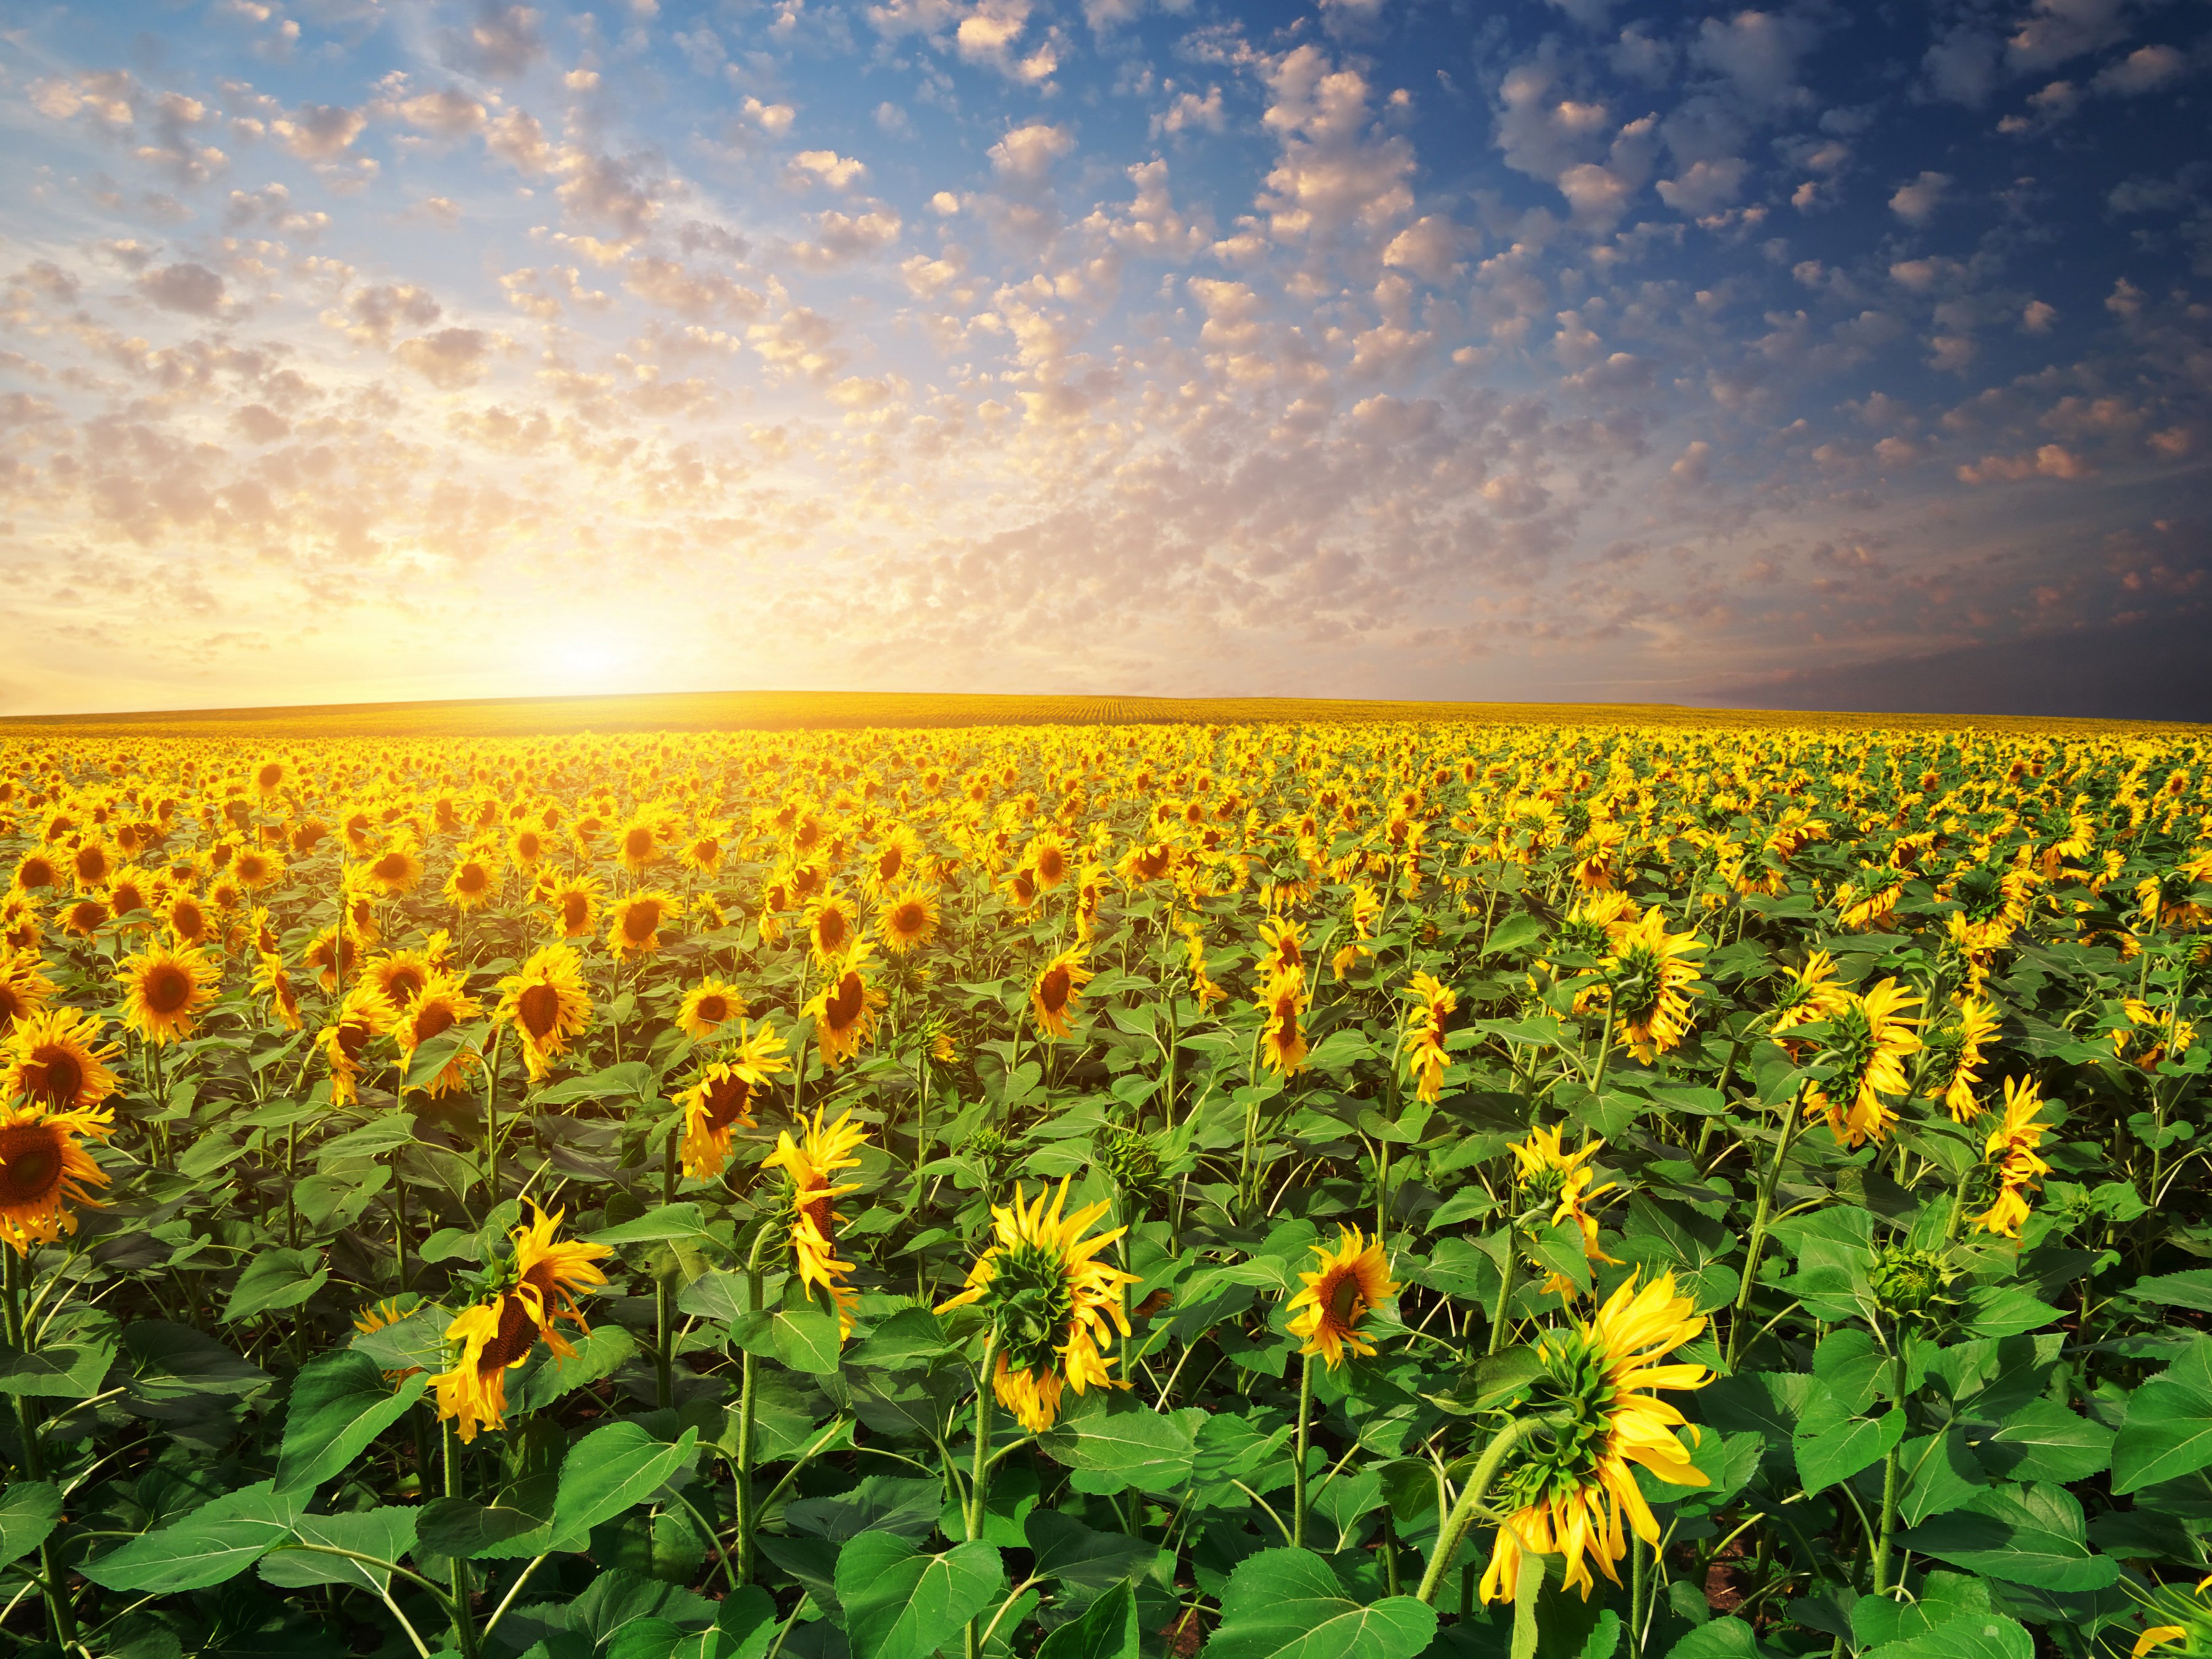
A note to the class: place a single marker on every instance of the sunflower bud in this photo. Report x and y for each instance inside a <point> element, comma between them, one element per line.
<point>1912,1285</point>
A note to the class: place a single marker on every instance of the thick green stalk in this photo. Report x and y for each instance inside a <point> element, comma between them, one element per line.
<point>747,1406</point>
<point>1298,1474</point>
<point>1741,1316</point>
<point>1505,1289</point>
<point>59,1613</point>
<point>1890,1471</point>
<point>1470,1499</point>
<point>979,1478</point>
<point>464,1624</point>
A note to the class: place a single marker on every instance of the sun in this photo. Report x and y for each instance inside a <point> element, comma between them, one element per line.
<point>585,661</point>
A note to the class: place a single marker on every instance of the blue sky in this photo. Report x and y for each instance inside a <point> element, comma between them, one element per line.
<point>1809,355</point>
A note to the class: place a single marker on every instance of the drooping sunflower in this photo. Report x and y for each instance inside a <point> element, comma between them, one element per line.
<point>1569,1487</point>
<point>1145,862</point>
<point>1346,1285</point>
<point>844,1009</point>
<point>720,1097</point>
<point>1056,1307</point>
<point>637,919</point>
<point>1867,1043</point>
<point>547,1003</point>
<point>84,918</point>
<point>708,1006</point>
<point>1555,1185</point>
<point>1201,980</point>
<point>270,981</point>
<point>1282,999</point>
<point>442,1003</point>
<point>1284,944</point>
<point>362,1017</point>
<point>55,1061</point>
<point>534,1288</point>
<point>2011,1151</point>
<point>1055,992</point>
<point>331,957</point>
<point>45,1170</point>
<point>1648,980</point>
<point>1423,1044</point>
<point>811,1162</point>
<point>898,852</point>
<point>164,990</point>
<point>25,990</point>
<point>908,921</point>
<point>1958,1049</point>
<point>1808,995</point>
<point>2151,1035</point>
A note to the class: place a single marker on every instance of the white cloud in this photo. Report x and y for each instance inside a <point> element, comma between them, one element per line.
<point>2144,69</point>
<point>826,167</point>
<point>1705,187</point>
<point>1026,153</point>
<point>1916,202</point>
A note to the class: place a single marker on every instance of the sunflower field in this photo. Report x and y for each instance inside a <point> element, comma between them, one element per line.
<point>1346,1191</point>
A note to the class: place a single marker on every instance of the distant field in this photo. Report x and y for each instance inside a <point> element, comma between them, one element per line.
<point>723,711</point>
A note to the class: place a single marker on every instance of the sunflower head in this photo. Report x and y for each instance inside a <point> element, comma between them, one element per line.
<point>1912,1285</point>
<point>45,1170</point>
<point>1347,1283</point>
<point>55,1061</point>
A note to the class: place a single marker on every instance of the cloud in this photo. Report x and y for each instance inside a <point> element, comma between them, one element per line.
<point>2144,69</point>
<point>1916,202</point>
<point>826,167</point>
<point>191,288</point>
<point>1429,248</point>
<point>319,132</point>
<point>1192,113</point>
<point>1758,52</point>
<point>447,112</point>
<point>2055,31</point>
<point>1705,187</point>
<point>1336,170</point>
<point>841,237</point>
<point>1027,153</point>
<point>450,359</point>
<point>1962,68</point>
<point>500,41</point>
<point>989,34</point>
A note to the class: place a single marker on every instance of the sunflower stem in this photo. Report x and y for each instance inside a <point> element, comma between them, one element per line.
<point>1498,1317</point>
<point>979,1478</point>
<point>747,1406</point>
<point>464,1628</point>
<point>1891,1465</point>
<point>58,1611</point>
<point>1470,1500</point>
<point>664,1291</point>
<point>1298,1474</point>
<point>1741,1315</point>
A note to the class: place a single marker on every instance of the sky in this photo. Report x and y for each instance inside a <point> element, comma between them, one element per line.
<point>1820,354</point>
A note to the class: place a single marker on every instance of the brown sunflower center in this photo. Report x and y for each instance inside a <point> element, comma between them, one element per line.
<point>640,921</point>
<point>843,1007</point>
<point>539,1010</point>
<point>1051,865</point>
<point>908,918</point>
<point>168,989</point>
<point>726,1100</point>
<point>574,907</point>
<point>432,1021</point>
<point>1345,1300</point>
<point>517,1335</point>
<point>816,1209</point>
<point>270,776</point>
<point>713,1008</point>
<point>53,1075</point>
<point>30,1162</point>
<point>472,878</point>
<point>393,866</point>
<point>403,984</point>
<point>829,930</point>
<point>1052,989</point>
<point>527,844</point>
<point>637,844</point>
<point>91,864</point>
<point>35,872</point>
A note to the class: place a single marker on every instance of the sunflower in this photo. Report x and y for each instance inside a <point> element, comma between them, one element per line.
<point>44,1170</point>
<point>400,975</point>
<point>473,881</point>
<point>54,1060</point>
<point>572,903</point>
<point>525,848</point>
<point>1047,859</point>
<point>84,918</point>
<point>1346,1285</point>
<point>130,893</point>
<point>330,957</point>
<point>442,1003</point>
<point>1282,1041</point>
<point>1053,1305</point>
<point>708,1006</point>
<point>270,981</point>
<point>547,1003</point>
<point>92,864</point>
<point>1863,904</point>
<point>1867,1042</point>
<point>1958,1048</point>
<point>1285,948</point>
<point>898,851</point>
<point>1145,862</point>
<point>720,1098</point>
<point>1646,983</point>
<point>35,872</point>
<point>702,854</point>
<point>1058,986</point>
<point>1554,1185</point>
<point>832,924</point>
<point>164,990</point>
<point>638,919</point>
<point>637,844</point>
<point>18,922</point>
<point>257,869</point>
<point>1423,1043</point>
<point>1201,983</point>
<point>533,1288</point>
<point>1021,888</point>
<point>395,871</point>
<point>812,1162</point>
<point>908,921</point>
<point>2150,1035</point>
<point>188,920</point>
<point>25,990</point>
<point>1809,995</point>
<point>361,1019</point>
<point>2011,1147</point>
<point>1568,1488</point>
<point>844,1009</point>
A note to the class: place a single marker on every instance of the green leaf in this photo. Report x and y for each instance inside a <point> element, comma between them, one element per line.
<point>1723,1638</point>
<point>1974,1636</point>
<point>1515,933</point>
<point>384,1134</point>
<point>517,1522</point>
<point>1107,1630</point>
<point>2002,1537</point>
<point>172,1362</point>
<point>670,1224</point>
<point>909,1339</point>
<point>56,1373</point>
<point>2044,1441</point>
<point>1067,1550</point>
<point>608,1470</point>
<point>29,1511</point>
<point>1837,1453</point>
<point>2168,1433</point>
<point>340,1402</point>
<point>806,1340</point>
<point>275,1280</point>
<point>388,1533</point>
<point>2192,1290</point>
<point>1117,1443</point>
<point>216,1541</point>
<point>902,1604</point>
<point>1287,1604</point>
<point>1940,1474</point>
<point>433,1057</point>
<point>545,1376</point>
<point>1560,1248</point>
